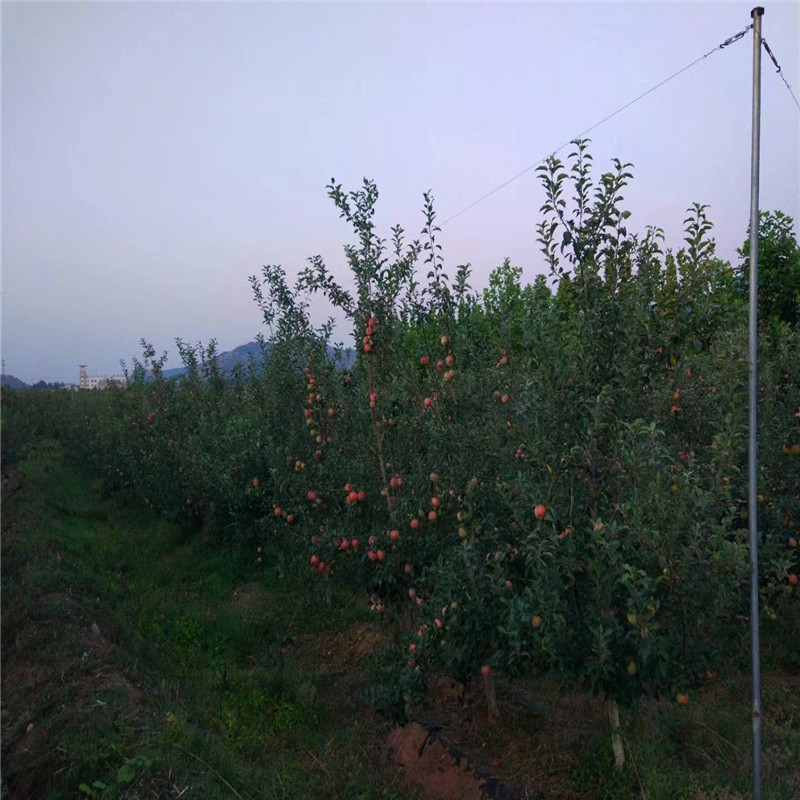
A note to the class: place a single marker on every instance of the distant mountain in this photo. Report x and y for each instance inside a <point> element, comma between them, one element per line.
<point>227,360</point>
<point>10,382</point>
<point>241,355</point>
<point>172,373</point>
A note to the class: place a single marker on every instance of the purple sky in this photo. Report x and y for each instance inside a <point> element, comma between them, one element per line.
<point>156,155</point>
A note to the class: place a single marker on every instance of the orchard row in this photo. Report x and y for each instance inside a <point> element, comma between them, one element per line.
<point>533,478</point>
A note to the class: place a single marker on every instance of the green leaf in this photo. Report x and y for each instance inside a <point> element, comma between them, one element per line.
<point>127,772</point>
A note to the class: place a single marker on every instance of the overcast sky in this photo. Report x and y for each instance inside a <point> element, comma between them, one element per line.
<point>155,155</point>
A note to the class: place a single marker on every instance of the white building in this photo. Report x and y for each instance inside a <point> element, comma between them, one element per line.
<point>86,381</point>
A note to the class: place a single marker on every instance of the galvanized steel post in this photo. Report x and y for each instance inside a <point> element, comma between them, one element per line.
<point>752,500</point>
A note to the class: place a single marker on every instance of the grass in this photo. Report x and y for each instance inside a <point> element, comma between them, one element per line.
<point>186,679</point>
<point>141,660</point>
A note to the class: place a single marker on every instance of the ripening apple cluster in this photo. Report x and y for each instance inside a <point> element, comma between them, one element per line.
<point>373,554</point>
<point>439,622</point>
<point>314,498</point>
<point>676,396</point>
<point>313,398</point>
<point>380,549</point>
<point>344,545</point>
<point>282,512</point>
<point>367,341</point>
<point>448,361</point>
<point>319,565</point>
<point>435,503</point>
<point>353,496</point>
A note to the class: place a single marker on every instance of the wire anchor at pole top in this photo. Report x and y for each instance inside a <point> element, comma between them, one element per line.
<point>735,37</point>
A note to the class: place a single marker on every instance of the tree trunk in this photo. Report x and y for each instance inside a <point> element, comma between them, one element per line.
<point>616,739</point>
<point>491,698</point>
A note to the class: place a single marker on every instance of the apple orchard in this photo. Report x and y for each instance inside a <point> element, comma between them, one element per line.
<point>527,479</point>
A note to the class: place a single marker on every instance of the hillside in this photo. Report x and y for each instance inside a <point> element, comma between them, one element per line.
<point>10,382</point>
<point>227,361</point>
<point>242,355</point>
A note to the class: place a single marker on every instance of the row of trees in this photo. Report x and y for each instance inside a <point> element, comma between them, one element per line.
<point>533,477</point>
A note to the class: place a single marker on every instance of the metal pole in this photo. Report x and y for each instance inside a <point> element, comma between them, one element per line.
<point>752,500</point>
